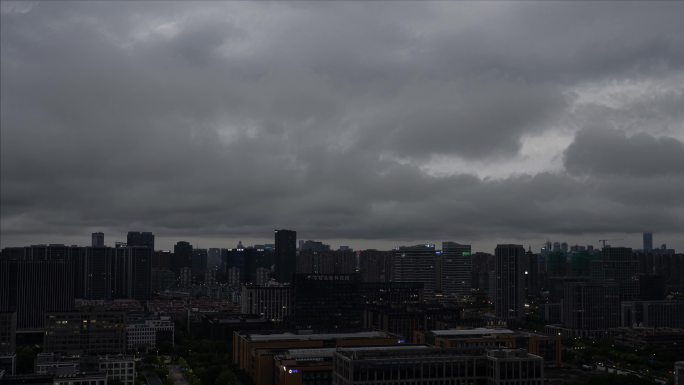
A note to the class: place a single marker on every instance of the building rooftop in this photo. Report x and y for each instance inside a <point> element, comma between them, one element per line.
<point>319,336</point>
<point>469,332</point>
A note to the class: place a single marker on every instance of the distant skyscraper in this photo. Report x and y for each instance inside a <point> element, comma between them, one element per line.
<point>415,264</point>
<point>182,256</point>
<point>98,240</point>
<point>456,268</point>
<point>509,270</point>
<point>285,254</point>
<point>136,238</point>
<point>648,241</point>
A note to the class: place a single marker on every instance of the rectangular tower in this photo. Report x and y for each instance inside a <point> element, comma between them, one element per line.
<point>509,279</point>
<point>285,254</point>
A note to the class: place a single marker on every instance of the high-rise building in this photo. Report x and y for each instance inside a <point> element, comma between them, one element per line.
<point>456,263</point>
<point>326,301</point>
<point>622,266</point>
<point>136,238</point>
<point>415,264</point>
<point>509,270</point>
<point>97,240</point>
<point>98,273</point>
<point>35,280</point>
<point>285,254</point>
<point>591,308</point>
<point>375,265</point>
<point>182,256</point>
<point>648,242</point>
<point>132,272</point>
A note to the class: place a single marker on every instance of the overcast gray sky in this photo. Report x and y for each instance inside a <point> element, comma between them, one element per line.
<point>368,124</point>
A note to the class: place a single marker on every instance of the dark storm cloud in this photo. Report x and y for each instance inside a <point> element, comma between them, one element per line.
<point>600,151</point>
<point>230,119</point>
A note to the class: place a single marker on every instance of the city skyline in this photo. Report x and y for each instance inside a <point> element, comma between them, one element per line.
<point>167,243</point>
<point>369,125</point>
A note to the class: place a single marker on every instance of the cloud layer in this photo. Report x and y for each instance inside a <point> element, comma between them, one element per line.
<point>365,122</point>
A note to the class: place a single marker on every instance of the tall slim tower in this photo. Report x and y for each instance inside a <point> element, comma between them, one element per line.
<point>509,270</point>
<point>648,241</point>
<point>285,254</point>
<point>456,268</point>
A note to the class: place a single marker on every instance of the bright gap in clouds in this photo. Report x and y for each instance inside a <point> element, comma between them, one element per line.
<point>538,153</point>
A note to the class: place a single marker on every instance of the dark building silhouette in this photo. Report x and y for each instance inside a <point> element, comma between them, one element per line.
<point>285,254</point>
<point>97,240</point>
<point>375,265</point>
<point>182,256</point>
<point>591,308</point>
<point>325,301</point>
<point>199,263</point>
<point>132,272</point>
<point>326,262</point>
<point>415,264</point>
<point>509,273</point>
<point>246,261</point>
<point>622,266</point>
<point>648,242</point>
<point>136,238</point>
<point>35,280</point>
<point>97,281</point>
<point>456,267</point>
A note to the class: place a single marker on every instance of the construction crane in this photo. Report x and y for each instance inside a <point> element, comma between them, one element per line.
<point>606,240</point>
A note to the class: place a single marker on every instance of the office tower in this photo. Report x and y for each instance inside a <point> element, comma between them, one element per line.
<point>144,238</point>
<point>272,301</point>
<point>98,240</point>
<point>214,257</point>
<point>98,272</point>
<point>532,274</point>
<point>622,266</point>
<point>509,270</point>
<point>591,308</point>
<point>326,302</point>
<point>456,269</point>
<point>182,256</point>
<point>483,264</point>
<point>375,265</point>
<point>248,260</point>
<point>35,280</point>
<point>415,264</point>
<point>199,262</point>
<point>132,272</point>
<point>285,254</point>
<point>648,242</point>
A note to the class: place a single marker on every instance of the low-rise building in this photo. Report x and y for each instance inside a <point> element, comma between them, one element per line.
<point>423,365</point>
<point>254,352</point>
<point>149,333</point>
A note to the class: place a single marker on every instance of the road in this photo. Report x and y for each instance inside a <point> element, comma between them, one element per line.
<point>177,376</point>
